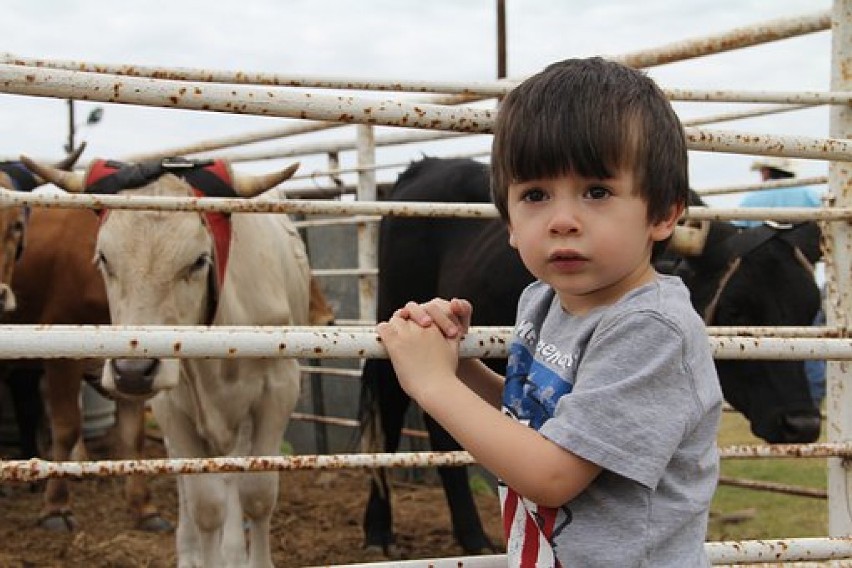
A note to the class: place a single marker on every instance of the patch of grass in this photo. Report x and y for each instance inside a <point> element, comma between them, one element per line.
<point>480,486</point>
<point>740,514</point>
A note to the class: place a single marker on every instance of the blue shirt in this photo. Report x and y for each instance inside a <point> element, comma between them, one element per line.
<point>802,196</point>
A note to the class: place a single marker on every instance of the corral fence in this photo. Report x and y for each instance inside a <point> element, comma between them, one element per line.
<point>76,80</point>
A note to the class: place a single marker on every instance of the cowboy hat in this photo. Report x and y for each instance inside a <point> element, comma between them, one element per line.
<point>780,164</point>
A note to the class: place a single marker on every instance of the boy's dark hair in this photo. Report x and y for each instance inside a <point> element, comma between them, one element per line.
<point>591,117</point>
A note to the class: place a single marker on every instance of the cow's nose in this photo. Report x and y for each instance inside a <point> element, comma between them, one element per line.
<point>800,427</point>
<point>134,376</point>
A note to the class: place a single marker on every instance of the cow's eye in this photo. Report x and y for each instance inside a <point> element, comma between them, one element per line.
<point>202,262</point>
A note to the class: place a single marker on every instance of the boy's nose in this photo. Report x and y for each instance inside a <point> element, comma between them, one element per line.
<point>563,221</point>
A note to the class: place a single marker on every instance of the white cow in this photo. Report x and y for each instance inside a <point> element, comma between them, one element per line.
<point>160,268</point>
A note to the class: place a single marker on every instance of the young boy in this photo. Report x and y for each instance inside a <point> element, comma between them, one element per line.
<point>606,442</point>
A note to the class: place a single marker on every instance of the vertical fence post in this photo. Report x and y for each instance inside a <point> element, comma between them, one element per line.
<point>367,231</point>
<point>333,166</point>
<point>837,245</point>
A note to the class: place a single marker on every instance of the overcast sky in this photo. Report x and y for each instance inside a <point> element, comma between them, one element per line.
<point>393,39</point>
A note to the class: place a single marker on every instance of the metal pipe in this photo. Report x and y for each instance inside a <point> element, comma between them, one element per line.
<point>736,38</point>
<point>765,186</point>
<point>36,468</point>
<point>185,342</point>
<point>247,100</point>
<point>395,208</point>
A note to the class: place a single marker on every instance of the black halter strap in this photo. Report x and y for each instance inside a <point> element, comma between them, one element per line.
<point>130,176</point>
<point>22,178</point>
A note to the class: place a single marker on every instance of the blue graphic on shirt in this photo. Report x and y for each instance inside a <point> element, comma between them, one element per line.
<point>532,389</point>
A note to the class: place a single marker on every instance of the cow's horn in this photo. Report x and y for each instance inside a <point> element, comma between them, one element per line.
<point>689,238</point>
<point>248,185</point>
<point>68,161</point>
<point>65,163</point>
<point>69,181</point>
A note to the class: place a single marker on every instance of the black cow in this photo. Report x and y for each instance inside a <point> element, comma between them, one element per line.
<point>422,258</point>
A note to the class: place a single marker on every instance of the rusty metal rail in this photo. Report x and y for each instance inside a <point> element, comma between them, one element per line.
<point>36,469</point>
<point>186,342</point>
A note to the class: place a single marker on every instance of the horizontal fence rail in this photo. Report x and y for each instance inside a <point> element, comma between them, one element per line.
<point>798,552</point>
<point>744,36</point>
<point>35,469</point>
<point>186,342</point>
<point>406,136</point>
<point>793,552</point>
<point>737,38</point>
<point>738,115</point>
<point>351,110</point>
<point>385,208</point>
<point>768,185</point>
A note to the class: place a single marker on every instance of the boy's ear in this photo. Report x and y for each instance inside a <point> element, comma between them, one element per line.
<point>512,242</point>
<point>663,229</point>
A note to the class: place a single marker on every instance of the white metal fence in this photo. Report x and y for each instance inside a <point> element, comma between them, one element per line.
<point>96,82</point>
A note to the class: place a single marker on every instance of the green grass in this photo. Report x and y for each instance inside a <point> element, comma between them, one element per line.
<point>745,514</point>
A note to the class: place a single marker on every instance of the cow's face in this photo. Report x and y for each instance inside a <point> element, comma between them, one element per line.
<point>769,286</point>
<point>12,234</point>
<point>155,266</point>
<point>12,223</point>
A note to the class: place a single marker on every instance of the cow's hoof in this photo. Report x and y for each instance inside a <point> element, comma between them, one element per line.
<point>154,523</point>
<point>380,552</point>
<point>476,551</point>
<point>59,521</point>
<point>477,544</point>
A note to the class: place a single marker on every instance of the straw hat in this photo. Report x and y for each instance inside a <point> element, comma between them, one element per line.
<point>780,164</point>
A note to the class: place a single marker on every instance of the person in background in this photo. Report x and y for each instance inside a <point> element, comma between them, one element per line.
<point>772,168</point>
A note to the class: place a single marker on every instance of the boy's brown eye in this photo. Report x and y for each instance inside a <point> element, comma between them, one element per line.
<point>532,195</point>
<point>597,192</point>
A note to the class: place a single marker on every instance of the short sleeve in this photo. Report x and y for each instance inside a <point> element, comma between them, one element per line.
<point>634,398</point>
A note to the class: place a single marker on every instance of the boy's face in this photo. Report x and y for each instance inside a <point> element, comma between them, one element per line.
<point>589,239</point>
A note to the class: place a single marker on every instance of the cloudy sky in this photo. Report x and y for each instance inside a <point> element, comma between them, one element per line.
<point>394,39</point>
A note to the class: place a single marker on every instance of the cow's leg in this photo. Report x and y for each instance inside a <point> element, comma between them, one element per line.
<point>391,403</point>
<point>130,426</point>
<point>467,526</point>
<point>25,392</point>
<point>259,494</point>
<point>186,534</point>
<point>202,496</point>
<point>62,379</point>
<point>233,537</point>
<point>259,491</point>
<point>207,503</point>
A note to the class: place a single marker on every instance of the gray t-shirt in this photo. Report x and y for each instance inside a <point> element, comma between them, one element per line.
<point>631,387</point>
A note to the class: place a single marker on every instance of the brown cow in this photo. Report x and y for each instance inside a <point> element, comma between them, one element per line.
<point>55,282</point>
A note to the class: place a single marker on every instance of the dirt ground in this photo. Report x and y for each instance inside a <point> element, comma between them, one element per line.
<point>317,522</point>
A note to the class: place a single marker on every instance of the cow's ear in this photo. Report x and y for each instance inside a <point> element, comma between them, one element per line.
<point>806,238</point>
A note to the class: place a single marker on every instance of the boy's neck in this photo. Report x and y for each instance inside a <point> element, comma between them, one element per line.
<point>580,305</point>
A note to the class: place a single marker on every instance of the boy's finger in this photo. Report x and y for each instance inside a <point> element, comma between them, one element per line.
<point>418,313</point>
<point>446,321</point>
